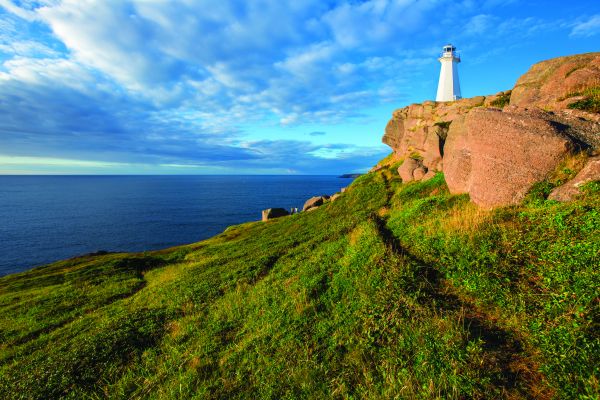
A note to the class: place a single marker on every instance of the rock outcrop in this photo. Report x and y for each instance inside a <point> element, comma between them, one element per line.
<point>314,202</point>
<point>556,83</point>
<point>271,213</point>
<point>419,131</point>
<point>496,147</point>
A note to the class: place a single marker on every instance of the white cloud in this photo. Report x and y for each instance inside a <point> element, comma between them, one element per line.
<point>22,12</point>
<point>7,160</point>
<point>42,71</point>
<point>587,28</point>
<point>27,48</point>
<point>219,57</point>
<point>479,24</point>
<point>376,23</point>
<point>106,36</point>
<point>304,64</point>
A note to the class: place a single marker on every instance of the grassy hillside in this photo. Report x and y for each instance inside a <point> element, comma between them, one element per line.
<point>391,291</point>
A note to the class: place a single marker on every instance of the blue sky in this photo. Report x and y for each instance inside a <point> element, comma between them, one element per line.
<point>249,87</point>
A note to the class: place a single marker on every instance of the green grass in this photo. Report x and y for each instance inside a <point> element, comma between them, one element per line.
<point>502,100</point>
<point>534,268</point>
<point>590,101</point>
<point>391,291</point>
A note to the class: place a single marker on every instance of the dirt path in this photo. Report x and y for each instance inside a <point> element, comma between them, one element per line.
<point>515,370</point>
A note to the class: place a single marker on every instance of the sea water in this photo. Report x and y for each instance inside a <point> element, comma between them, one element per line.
<point>49,218</point>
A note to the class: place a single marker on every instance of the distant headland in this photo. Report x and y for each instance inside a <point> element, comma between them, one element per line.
<point>355,175</point>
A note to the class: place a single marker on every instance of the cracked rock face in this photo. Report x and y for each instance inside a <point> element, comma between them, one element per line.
<point>496,155</point>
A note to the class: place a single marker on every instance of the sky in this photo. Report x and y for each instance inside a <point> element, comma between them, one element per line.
<point>250,86</point>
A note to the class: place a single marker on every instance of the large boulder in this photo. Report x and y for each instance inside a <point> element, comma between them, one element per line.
<point>419,173</point>
<point>407,168</point>
<point>314,202</point>
<point>496,156</point>
<point>570,190</point>
<point>271,213</point>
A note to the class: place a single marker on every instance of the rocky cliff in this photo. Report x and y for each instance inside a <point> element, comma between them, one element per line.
<point>495,148</point>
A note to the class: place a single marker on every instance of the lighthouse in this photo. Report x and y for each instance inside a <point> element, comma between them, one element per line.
<point>448,86</point>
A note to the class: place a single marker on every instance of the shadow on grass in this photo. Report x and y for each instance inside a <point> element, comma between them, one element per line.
<point>515,372</point>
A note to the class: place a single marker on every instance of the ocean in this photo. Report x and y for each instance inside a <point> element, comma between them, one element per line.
<point>49,218</point>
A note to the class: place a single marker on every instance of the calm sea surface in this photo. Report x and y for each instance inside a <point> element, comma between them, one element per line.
<point>49,218</point>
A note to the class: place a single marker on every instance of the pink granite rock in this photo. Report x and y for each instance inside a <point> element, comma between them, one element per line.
<point>555,83</point>
<point>419,173</point>
<point>567,192</point>
<point>497,156</point>
<point>406,169</point>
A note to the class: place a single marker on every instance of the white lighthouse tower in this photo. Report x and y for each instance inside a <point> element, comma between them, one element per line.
<point>449,87</point>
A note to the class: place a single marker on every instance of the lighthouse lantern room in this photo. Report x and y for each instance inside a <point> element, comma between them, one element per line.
<point>449,86</point>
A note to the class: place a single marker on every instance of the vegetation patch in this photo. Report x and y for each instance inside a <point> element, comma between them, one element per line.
<point>502,101</point>
<point>591,188</point>
<point>564,172</point>
<point>415,155</point>
<point>590,101</point>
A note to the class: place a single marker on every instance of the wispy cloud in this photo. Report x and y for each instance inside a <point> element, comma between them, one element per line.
<point>479,24</point>
<point>588,27</point>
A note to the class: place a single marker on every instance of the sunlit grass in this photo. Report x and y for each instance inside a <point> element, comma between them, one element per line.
<point>590,100</point>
